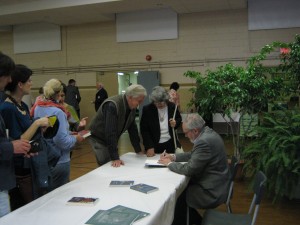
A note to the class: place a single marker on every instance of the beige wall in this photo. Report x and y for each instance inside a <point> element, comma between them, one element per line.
<point>206,40</point>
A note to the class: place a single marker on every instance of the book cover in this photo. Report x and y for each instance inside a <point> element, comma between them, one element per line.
<point>82,201</point>
<point>121,183</point>
<point>153,163</point>
<point>107,217</point>
<point>145,188</point>
<point>120,208</point>
<point>84,133</point>
<point>118,215</point>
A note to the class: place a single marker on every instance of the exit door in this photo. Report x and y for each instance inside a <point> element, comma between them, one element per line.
<point>149,79</point>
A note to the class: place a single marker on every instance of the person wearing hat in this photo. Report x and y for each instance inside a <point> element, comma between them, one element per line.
<point>63,140</point>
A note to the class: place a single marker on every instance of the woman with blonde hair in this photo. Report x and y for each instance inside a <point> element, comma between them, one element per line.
<point>63,140</point>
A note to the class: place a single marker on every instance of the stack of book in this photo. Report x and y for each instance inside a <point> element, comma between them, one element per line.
<point>118,215</point>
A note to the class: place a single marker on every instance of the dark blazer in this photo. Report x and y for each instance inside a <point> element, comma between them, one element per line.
<point>7,171</point>
<point>100,97</point>
<point>208,170</point>
<point>150,128</point>
<point>73,96</point>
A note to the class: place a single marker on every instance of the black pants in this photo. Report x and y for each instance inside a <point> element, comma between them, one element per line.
<point>180,214</point>
<point>168,146</point>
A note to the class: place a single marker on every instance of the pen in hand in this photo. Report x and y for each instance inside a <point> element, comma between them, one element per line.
<point>164,153</point>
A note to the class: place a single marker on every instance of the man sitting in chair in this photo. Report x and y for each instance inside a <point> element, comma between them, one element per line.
<point>206,166</point>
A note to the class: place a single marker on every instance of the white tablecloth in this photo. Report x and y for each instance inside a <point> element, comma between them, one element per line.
<point>51,209</point>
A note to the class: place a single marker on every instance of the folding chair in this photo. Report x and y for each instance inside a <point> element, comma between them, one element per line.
<point>233,170</point>
<point>215,217</point>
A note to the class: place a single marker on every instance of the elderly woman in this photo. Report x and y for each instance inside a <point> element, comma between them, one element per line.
<point>63,141</point>
<point>157,123</point>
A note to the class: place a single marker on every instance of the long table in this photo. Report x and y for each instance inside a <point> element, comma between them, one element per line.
<point>51,209</point>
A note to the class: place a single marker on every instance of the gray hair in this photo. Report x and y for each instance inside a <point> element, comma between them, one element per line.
<point>135,91</point>
<point>194,121</point>
<point>52,88</point>
<point>159,94</point>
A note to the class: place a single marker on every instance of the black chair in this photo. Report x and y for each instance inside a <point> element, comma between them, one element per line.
<point>233,170</point>
<point>215,217</point>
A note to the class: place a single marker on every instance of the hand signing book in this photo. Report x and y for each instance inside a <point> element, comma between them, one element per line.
<point>166,158</point>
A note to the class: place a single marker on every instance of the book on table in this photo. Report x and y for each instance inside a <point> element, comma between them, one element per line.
<point>121,183</point>
<point>84,133</point>
<point>118,215</point>
<point>153,163</point>
<point>144,188</point>
<point>88,201</point>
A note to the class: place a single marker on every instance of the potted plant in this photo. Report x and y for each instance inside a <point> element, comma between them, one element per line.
<point>230,89</point>
<point>276,150</point>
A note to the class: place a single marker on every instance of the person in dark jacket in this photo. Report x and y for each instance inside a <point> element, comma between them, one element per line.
<point>17,120</point>
<point>157,123</point>
<point>101,95</point>
<point>73,97</point>
<point>113,118</point>
<point>8,148</point>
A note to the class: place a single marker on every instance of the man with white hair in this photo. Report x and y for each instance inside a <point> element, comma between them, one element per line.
<point>113,118</point>
<point>101,95</point>
<point>206,166</point>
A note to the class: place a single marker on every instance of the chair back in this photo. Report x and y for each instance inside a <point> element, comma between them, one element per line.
<point>258,189</point>
<point>233,170</point>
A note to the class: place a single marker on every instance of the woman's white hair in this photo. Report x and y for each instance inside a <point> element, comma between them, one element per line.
<point>159,94</point>
<point>135,91</point>
<point>52,88</point>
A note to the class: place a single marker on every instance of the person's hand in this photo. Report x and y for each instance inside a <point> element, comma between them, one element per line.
<point>164,160</point>
<point>165,155</point>
<point>21,147</point>
<point>42,122</point>
<point>172,123</point>
<point>150,152</point>
<point>141,152</point>
<point>79,138</point>
<point>117,163</point>
<point>82,122</point>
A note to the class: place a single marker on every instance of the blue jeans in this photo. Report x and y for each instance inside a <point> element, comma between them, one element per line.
<point>60,175</point>
<point>4,203</point>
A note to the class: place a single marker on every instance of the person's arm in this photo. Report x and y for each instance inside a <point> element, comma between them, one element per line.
<point>197,162</point>
<point>178,119</point>
<point>29,133</point>
<point>111,129</point>
<point>145,129</point>
<point>63,138</point>
<point>78,97</point>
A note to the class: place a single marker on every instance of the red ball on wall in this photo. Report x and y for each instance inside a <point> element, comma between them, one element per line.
<point>148,57</point>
